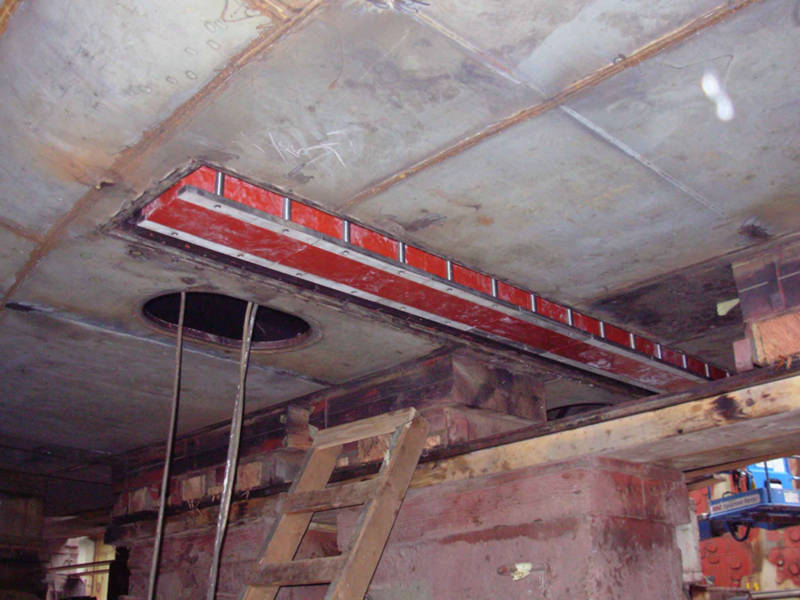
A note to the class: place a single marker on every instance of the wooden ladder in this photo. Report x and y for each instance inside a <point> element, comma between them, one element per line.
<point>349,573</point>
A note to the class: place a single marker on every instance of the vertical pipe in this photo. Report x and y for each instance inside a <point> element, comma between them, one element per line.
<point>233,451</point>
<point>173,420</point>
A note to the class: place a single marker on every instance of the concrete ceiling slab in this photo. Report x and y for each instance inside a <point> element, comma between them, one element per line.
<point>106,280</point>
<point>62,381</point>
<point>14,252</point>
<point>748,168</point>
<point>98,76</point>
<point>20,454</point>
<point>563,393</point>
<point>550,206</point>
<point>554,43</point>
<point>350,96</point>
<point>77,339</point>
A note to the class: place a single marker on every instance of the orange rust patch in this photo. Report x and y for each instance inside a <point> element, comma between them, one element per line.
<point>6,10</point>
<point>80,164</point>
<point>19,230</point>
<point>269,8</point>
<point>541,530</point>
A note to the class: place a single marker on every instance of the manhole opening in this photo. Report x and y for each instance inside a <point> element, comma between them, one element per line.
<point>219,319</point>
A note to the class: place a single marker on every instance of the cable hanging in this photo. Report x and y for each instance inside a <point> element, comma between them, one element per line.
<point>173,420</point>
<point>233,450</point>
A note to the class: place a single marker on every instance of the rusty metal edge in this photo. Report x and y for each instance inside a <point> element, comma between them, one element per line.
<point>649,50</point>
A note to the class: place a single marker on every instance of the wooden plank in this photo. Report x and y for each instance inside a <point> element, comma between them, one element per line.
<point>776,339</point>
<point>379,514</point>
<point>288,530</point>
<point>733,465</point>
<point>684,431</point>
<point>297,572</point>
<point>706,481</point>
<point>296,427</point>
<point>349,494</point>
<point>746,450</point>
<point>656,436</point>
<point>359,430</point>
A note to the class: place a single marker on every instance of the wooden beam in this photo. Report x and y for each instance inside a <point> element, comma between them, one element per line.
<point>697,435</point>
<point>379,514</point>
<point>297,434</point>
<point>685,436</point>
<point>777,338</point>
<point>351,432</point>
<point>288,530</point>
<point>339,496</point>
<point>735,464</point>
<point>297,572</point>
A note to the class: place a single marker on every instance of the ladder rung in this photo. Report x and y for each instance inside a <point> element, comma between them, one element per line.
<point>363,429</point>
<point>348,494</point>
<point>298,572</point>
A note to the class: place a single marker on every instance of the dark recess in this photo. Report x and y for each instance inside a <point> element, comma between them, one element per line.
<point>680,309</point>
<point>219,319</point>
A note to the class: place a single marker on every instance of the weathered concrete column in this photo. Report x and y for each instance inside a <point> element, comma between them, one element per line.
<point>592,528</point>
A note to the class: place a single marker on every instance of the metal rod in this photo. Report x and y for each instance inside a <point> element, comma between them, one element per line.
<point>85,565</point>
<point>173,420</point>
<point>233,450</point>
<point>776,594</point>
<point>92,573</point>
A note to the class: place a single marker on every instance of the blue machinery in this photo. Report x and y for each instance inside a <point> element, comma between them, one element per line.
<point>771,502</point>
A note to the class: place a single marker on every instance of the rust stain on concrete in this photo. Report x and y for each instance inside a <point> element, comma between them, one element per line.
<point>269,8</point>
<point>6,10</point>
<point>537,530</point>
<point>19,230</point>
<point>67,162</point>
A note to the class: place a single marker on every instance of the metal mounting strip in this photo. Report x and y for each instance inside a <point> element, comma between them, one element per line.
<point>423,284</point>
